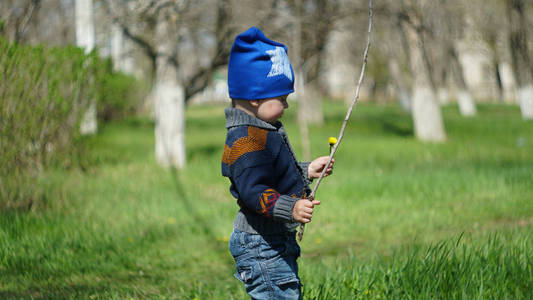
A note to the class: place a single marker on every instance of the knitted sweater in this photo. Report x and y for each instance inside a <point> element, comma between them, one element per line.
<point>266,178</point>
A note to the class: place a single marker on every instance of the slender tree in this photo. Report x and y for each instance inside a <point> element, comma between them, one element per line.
<point>400,82</point>
<point>17,16</point>
<point>85,38</point>
<point>397,51</point>
<point>467,107</point>
<point>451,33</point>
<point>168,33</point>
<point>427,117</point>
<point>300,79</point>
<point>317,19</point>
<point>487,21</point>
<point>521,60</point>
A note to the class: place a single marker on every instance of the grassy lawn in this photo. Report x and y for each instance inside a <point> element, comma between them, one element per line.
<point>399,218</point>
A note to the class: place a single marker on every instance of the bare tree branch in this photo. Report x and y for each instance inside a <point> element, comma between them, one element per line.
<point>348,114</point>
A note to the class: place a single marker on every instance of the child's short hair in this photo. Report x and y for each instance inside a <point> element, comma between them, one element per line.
<point>258,67</point>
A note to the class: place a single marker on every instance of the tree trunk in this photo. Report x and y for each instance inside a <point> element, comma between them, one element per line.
<point>522,67</point>
<point>491,40</point>
<point>467,107</point>
<point>85,38</point>
<point>170,116</point>
<point>498,79</point>
<point>404,95</point>
<point>312,106</point>
<point>302,118</point>
<point>300,82</point>
<point>441,75</point>
<point>443,94</point>
<point>426,112</point>
<point>508,82</point>
<point>117,46</point>
<point>169,101</point>
<point>122,61</point>
<point>525,98</point>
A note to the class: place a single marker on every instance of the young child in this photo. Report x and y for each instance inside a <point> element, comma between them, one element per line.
<point>270,185</point>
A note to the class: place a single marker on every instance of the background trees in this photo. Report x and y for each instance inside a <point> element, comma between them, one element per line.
<point>85,39</point>
<point>428,53</point>
<point>520,55</point>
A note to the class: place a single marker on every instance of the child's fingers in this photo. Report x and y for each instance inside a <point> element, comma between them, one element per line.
<point>315,202</point>
<point>308,204</point>
<point>306,215</point>
<point>305,220</point>
<point>308,210</point>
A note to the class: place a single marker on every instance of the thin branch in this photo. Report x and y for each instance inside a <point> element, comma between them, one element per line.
<point>348,114</point>
<point>147,48</point>
<point>26,20</point>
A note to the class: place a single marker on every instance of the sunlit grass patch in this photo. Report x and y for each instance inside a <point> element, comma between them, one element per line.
<point>388,226</point>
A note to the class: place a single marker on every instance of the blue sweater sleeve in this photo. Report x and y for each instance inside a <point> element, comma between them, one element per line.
<point>254,185</point>
<point>249,161</point>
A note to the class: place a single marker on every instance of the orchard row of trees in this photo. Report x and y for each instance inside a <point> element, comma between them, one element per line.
<point>179,45</point>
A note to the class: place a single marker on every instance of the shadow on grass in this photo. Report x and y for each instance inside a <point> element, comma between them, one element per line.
<point>202,151</point>
<point>395,129</point>
<point>199,222</point>
<point>380,123</point>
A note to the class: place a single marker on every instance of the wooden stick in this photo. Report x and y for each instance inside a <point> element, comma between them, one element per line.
<point>348,114</point>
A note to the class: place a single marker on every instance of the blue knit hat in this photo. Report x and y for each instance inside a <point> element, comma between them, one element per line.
<point>258,67</point>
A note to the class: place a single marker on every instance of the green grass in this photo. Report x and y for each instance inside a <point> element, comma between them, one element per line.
<point>399,218</point>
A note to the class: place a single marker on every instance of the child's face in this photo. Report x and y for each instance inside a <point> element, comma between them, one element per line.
<point>271,109</point>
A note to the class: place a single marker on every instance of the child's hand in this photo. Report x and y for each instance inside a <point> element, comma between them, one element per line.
<point>303,210</point>
<point>317,165</point>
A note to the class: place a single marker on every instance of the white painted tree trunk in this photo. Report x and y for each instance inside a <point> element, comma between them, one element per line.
<point>427,115</point>
<point>122,60</point>
<point>467,106</point>
<point>85,38</point>
<point>508,82</point>
<point>117,46</point>
<point>302,119</point>
<point>525,98</point>
<point>89,124</point>
<point>522,69</point>
<point>170,123</point>
<point>312,107</point>
<point>466,103</point>
<point>300,82</point>
<point>404,96</point>
<point>405,100</point>
<point>169,102</point>
<point>443,96</point>
<point>426,111</point>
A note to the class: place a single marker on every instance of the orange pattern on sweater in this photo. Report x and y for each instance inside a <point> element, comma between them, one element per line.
<point>255,141</point>
<point>267,200</point>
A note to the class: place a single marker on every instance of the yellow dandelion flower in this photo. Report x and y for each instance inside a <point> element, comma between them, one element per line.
<point>171,221</point>
<point>332,141</point>
<point>318,241</point>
